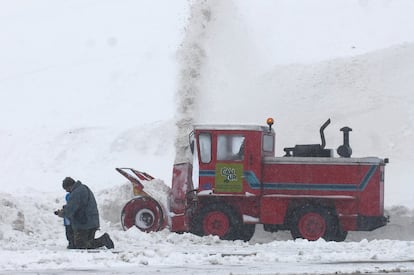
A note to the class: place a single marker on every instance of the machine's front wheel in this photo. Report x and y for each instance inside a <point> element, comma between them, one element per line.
<point>143,212</point>
<point>340,235</point>
<point>217,219</point>
<point>246,232</point>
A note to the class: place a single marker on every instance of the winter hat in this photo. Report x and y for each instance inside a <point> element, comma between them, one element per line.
<point>68,181</point>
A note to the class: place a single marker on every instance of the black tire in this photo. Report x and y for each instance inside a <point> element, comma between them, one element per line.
<point>217,219</point>
<point>246,232</point>
<point>313,222</point>
<point>340,235</point>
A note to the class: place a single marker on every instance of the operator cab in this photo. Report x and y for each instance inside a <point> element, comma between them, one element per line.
<point>227,155</point>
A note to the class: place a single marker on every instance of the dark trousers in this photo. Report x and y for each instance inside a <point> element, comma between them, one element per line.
<point>69,236</point>
<point>85,239</point>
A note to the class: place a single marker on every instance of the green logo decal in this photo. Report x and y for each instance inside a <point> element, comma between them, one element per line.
<point>229,177</point>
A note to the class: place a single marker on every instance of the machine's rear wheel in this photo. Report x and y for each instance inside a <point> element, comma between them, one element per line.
<point>312,222</point>
<point>217,219</point>
<point>143,212</point>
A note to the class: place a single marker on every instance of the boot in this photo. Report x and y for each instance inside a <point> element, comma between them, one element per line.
<point>107,241</point>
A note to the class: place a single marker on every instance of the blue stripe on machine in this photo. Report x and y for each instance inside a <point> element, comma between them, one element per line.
<point>254,182</point>
<point>207,173</point>
<point>367,177</point>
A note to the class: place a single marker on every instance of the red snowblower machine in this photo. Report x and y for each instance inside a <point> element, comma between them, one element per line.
<point>236,182</point>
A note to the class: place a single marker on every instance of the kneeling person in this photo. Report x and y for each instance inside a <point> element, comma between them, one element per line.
<point>82,211</point>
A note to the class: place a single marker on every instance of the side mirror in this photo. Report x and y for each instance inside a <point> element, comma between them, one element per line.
<point>192,146</point>
<point>191,141</point>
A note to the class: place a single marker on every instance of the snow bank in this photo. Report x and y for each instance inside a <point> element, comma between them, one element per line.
<point>88,154</point>
<point>31,219</point>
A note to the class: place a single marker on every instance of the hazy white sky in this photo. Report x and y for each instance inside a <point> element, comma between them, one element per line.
<point>61,62</point>
<point>56,55</point>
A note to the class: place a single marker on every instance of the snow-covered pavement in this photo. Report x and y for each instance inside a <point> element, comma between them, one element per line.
<point>33,242</point>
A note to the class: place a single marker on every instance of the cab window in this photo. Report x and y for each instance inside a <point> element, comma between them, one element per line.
<point>268,143</point>
<point>230,147</point>
<point>204,140</point>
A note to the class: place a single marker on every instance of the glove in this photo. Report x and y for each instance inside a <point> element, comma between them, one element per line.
<point>59,213</point>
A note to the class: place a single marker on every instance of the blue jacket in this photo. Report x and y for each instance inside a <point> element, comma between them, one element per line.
<point>66,221</point>
<point>81,209</point>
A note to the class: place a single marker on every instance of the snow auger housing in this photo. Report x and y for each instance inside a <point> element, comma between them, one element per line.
<point>143,211</point>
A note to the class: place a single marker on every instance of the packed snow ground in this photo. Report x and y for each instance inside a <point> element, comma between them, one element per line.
<point>88,86</point>
<point>32,241</point>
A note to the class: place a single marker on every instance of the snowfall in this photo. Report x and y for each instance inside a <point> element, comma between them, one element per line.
<point>87,86</point>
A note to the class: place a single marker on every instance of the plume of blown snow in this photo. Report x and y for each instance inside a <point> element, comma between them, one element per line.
<point>191,55</point>
<point>233,65</point>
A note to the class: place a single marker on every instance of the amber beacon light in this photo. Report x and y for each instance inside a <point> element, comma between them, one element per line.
<point>270,122</point>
